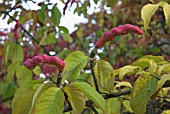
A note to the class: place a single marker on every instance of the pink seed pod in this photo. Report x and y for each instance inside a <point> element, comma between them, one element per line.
<point>40,59</point>
<point>120,30</point>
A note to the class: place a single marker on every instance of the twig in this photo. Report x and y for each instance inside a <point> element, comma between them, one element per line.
<point>92,64</point>
<point>89,104</point>
<point>59,78</point>
<point>117,94</point>
<point>6,99</point>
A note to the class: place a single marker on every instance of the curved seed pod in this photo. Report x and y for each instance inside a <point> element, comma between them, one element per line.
<point>120,30</point>
<point>40,59</point>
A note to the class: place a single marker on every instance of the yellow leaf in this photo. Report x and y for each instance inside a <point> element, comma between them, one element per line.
<point>127,84</point>
<point>76,98</point>
<point>166,10</point>
<point>147,12</point>
<point>163,79</point>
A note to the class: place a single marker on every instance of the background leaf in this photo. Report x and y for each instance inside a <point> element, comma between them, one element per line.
<point>17,53</point>
<point>56,15</point>
<point>41,14</point>
<point>23,75</point>
<point>166,10</point>
<point>147,12</point>
<point>67,37</point>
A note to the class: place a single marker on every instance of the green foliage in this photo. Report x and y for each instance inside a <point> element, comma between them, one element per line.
<point>166,9</point>
<point>23,75</point>
<point>91,94</point>
<point>67,37</point>
<point>75,63</point>
<point>88,84</point>
<point>41,13</point>
<point>24,94</point>
<point>50,102</point>
<point>76,98</point>
<point>147,12</point>
<point>103,70</point>
<point>56,15</point>
<point>114,106</point>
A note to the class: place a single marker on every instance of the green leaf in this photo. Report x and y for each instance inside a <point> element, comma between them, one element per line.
<point>7,52</point>
<point>162,3</point>
<point>50,39</point>
<point>75,62</point>
<point>76,98</point>
<point>63,29</point>
<point>163,79</point>
<point>9,92</point>
<point>144,88</point>
<point>126,104</point>
<point>166,10</point>
<point>147,12</point>
<point>37,70</point>
<point>151,1</point>
<point>67,37</point>
<point>3,87</point>
<point>11,71</point>
<point>41,13</point>
<point>64,53</point>
<point>111,3</point>
<point>126,84</point>
<point>126,69</point>
<point>143,62</point>
<point>102,70</point>
<point>56,15</point>
<point>17,53</point>
<point>41,89</point>
<point>163,68</point>
<point>152,67</point>
<point>92,94</point>
<point>50,102</point>
<point>22,101</point>
<point>114,106</point>
<point>23,75</point>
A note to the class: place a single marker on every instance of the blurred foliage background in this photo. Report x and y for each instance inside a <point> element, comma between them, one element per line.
<point>39,31</point>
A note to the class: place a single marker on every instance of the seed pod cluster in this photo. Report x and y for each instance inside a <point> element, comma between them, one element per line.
<point>40,59</point>
<point>120,30</point>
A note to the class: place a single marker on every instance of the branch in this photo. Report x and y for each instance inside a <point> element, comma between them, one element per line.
<point>6,99</point>
<point>89,104</point>
<point>92,64</point>
<point>31,36</point>
<point>59,78</point>
<point>112,95</point>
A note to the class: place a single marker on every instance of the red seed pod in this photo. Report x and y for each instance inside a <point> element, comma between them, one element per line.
<point>40,59</point>
<point>120,30</point>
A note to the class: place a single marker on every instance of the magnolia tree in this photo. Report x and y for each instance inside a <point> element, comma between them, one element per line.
<point>105,67</point>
